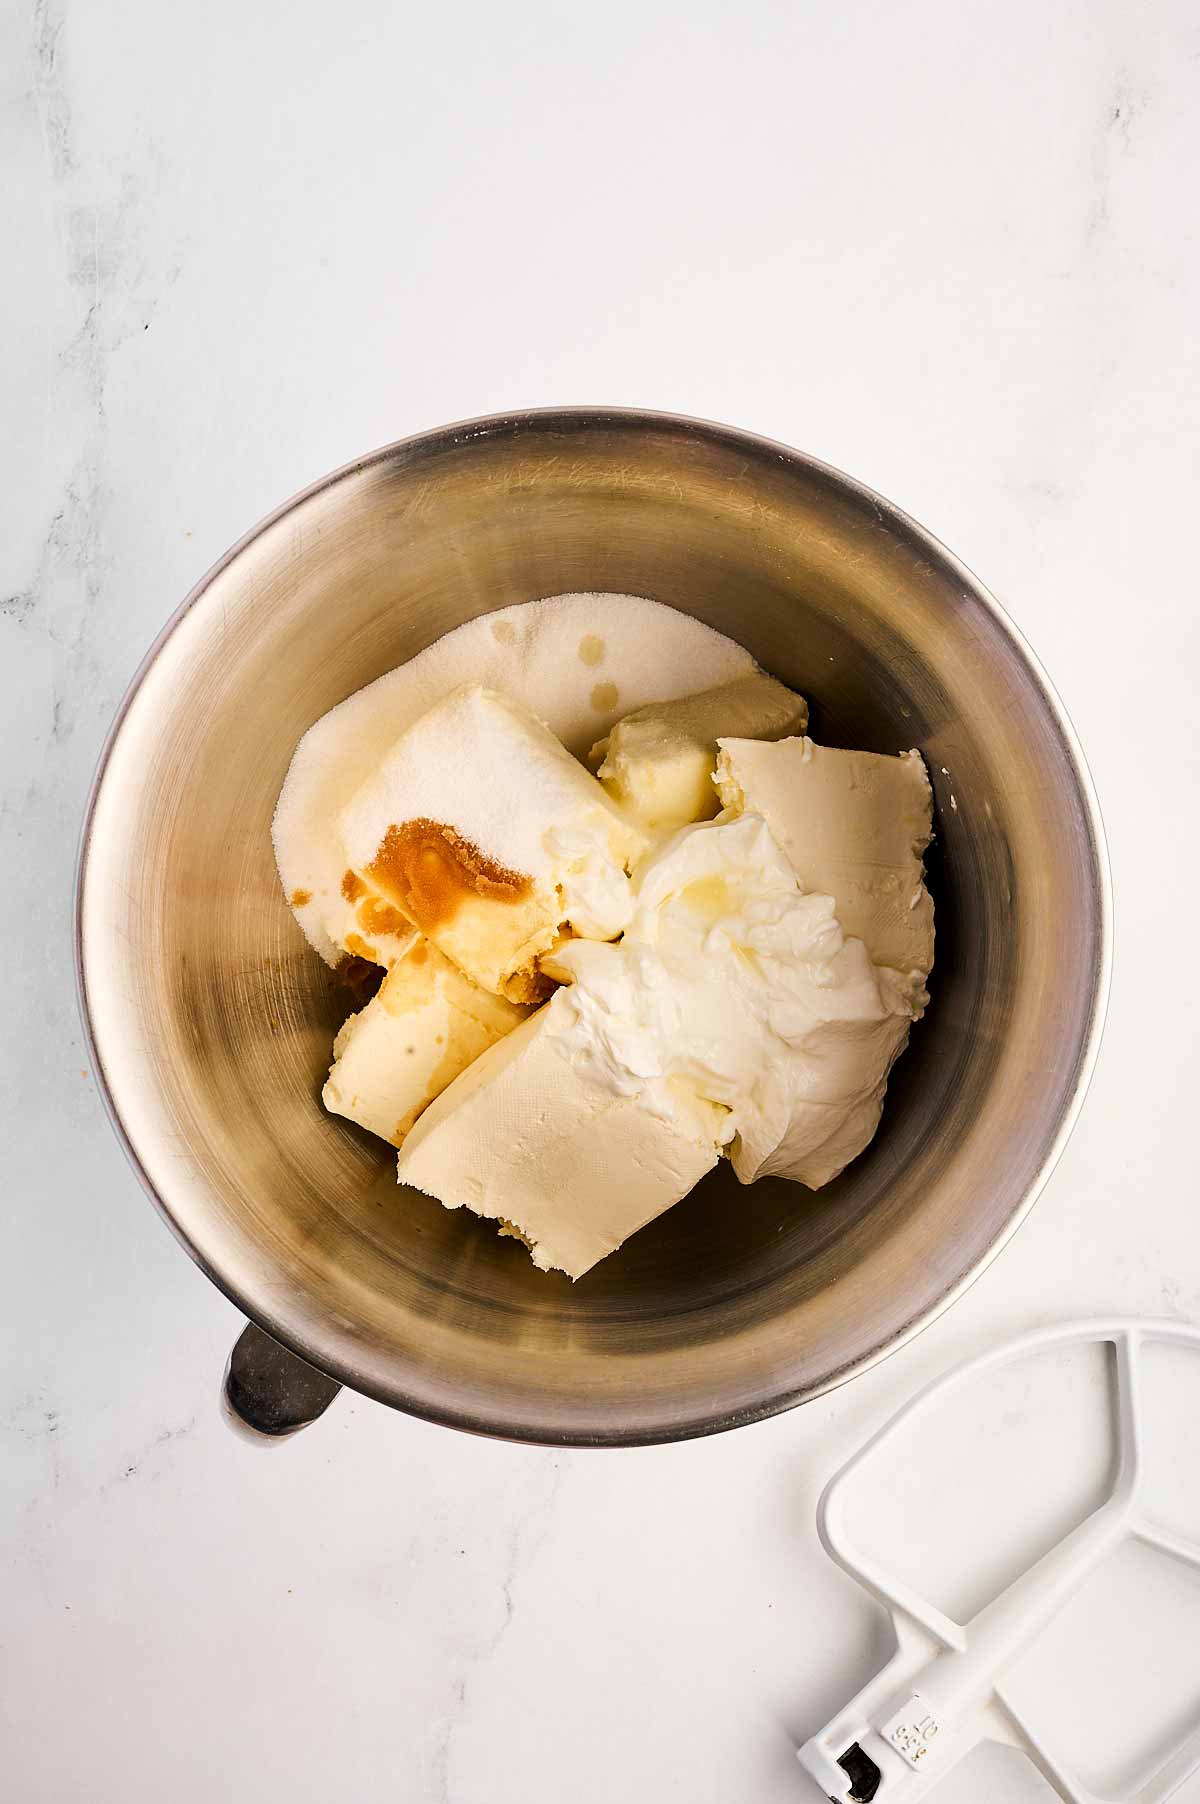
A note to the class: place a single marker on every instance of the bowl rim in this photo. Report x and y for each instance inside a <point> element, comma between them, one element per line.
<point>734,438</point>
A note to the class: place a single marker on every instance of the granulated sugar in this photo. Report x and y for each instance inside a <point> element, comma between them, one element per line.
<point>580,662</point>
<point>493,772</point>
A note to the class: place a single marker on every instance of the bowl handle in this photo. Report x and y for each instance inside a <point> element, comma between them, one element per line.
<point>271,1391</point>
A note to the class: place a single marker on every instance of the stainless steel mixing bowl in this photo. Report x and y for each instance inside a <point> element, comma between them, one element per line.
<point>211,1020</point>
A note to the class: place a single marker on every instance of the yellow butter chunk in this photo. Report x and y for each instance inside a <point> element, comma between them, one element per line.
<point>427,1023</point>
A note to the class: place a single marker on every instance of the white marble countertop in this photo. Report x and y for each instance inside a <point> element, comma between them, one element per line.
<point>950,249</point>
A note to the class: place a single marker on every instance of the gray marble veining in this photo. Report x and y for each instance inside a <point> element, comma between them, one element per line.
<point>245,244</point>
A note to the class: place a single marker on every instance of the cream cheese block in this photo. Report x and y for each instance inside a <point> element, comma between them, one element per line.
<point>426,1023</point>
<point>490,838</point>
<point>571,1165</point>
<point>735,984</point>
<point>854,826</point>
<point>658,762</point>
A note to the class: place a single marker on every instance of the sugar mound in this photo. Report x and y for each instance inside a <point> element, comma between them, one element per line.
<point>580,662</point>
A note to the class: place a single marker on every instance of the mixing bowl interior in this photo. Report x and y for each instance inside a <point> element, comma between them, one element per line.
<point>213,1020</point>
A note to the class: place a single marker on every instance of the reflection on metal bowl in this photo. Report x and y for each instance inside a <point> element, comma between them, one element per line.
<point>212,1020</point>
